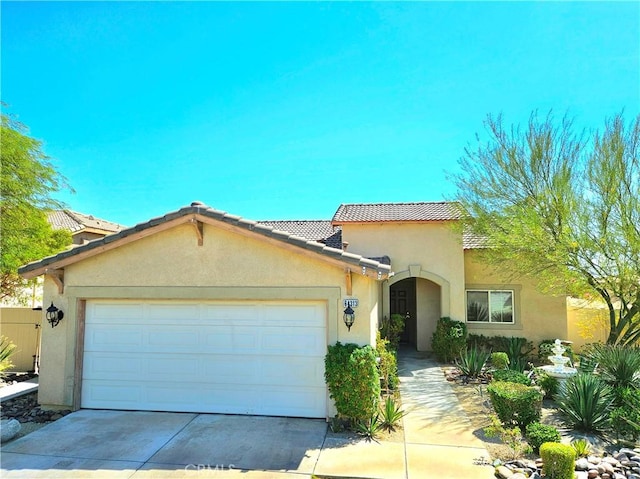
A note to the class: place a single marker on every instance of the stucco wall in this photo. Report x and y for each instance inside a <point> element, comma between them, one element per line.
<point>434,250</point>
<point>170,265</point>
<point>428,308</point>
<point>538,316</point>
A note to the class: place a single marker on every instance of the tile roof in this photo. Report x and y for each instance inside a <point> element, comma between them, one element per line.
<point>202,212</point>
<point>398,212</point>
<point>316,230</point>
<point>74,222</point>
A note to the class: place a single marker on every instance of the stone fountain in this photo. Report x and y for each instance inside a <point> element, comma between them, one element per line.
<point>559,369</point>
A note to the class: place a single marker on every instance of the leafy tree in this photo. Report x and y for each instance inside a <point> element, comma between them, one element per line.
<point>562,208</point>
<point>27,181</point>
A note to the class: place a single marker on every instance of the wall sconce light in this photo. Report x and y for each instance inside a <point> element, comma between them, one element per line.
<point>54,315</point>
<point>349,317</point>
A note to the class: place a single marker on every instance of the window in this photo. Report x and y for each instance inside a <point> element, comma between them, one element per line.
<point>490,306</point>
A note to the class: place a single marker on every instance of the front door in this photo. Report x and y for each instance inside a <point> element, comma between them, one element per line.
<point>402,300</point>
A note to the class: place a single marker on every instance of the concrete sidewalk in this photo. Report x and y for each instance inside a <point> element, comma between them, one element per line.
<point>438,443</point>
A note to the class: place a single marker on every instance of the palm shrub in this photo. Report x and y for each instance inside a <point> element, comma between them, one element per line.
<point>518,350</point>
<point>471,361</point>
<point>351,373</point>
<point>449,339</point>
<point>511,376</point>
<point>7,348</point>
<point>582,447</point>
<point>515,404</point>
<point>618,365</point>
<point>559,460</point>
<point>537,434</point>
<point>584,402</point>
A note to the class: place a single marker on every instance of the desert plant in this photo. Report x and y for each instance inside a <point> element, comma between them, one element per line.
<point>387,365</point>
<point>515,404</point>
<point>547,383</point>
<point>392,330</point>
<point>7,348</point>
<point>511,376</point>
<point>537,434</point>
<point>625,418</point>
<point>510,437</point>
<point>618,365</point>
<point>518,350</point>
<point>471,361</point>
<point>558,460</point>
<point>584,402</point>
<point>582,447</point>
<point>449,339</point>
<point>351,374</point>
<point>369,428</point>
<point>390,414</point>
<point>499,360</point>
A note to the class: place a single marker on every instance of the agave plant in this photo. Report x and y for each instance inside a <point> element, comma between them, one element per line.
<point>369,428</point>
<point>7,348</point>
<point>585,402</point>
<point>391,414</point>
<point>472,360</point>
<point>582,447</point>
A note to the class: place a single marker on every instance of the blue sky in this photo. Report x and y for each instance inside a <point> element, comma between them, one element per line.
<point>286,110</point>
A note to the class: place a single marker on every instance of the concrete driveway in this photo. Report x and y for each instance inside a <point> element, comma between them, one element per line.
<point>437,443</point>
<point>132,444</point>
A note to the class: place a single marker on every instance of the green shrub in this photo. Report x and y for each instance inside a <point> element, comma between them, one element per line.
<point>351,374</point>
<point>449,339</point>
<point>511,376</point>
<point>499,360</point>
<point>471,361</point>
<point>584,402</point>
<point>392,330</point>
<point>510,437</point>
<point>625,418</point>
<point>537,434</point>
<point>515,404</point>
<point>618,365</point>
<point>549,384</point>
<point>388,364</point>
<point>558,460</point>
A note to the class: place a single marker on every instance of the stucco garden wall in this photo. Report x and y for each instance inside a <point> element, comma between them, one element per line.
<point>538,316</point>
<point>170,265</point>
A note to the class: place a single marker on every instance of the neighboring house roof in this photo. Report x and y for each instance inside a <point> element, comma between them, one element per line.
<point>199,212</point>
<point>396,212</point>
<point>321,231</point>
<point>75,222</point>
<point>473,241</point>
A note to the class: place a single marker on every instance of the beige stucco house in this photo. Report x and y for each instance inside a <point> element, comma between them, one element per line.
<point>204,311</point>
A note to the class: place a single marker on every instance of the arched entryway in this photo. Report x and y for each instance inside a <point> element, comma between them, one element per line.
<point>424,298</point>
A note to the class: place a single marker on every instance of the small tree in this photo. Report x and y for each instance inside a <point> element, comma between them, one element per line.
<point>27,181</point>
<point>561,208</point>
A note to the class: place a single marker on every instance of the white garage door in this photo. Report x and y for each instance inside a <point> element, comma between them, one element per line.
<point>240,358</point>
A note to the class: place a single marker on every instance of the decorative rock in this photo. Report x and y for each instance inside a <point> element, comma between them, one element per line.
<point>535,475</point>
<point>580,475</point>
<point>633,476</point>
<point>605,475</point>
<point>593,473</point>
<point>9,429</point>
<point>594,459</point>
<point>518,475</point>
<point>503,472</point>
<point>582,464</point>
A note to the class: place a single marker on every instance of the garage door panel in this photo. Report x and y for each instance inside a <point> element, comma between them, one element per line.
<point>240,358</point>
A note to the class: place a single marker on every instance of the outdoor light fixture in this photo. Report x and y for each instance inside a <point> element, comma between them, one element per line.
<point>54,315</point>
<point>349,317</point>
